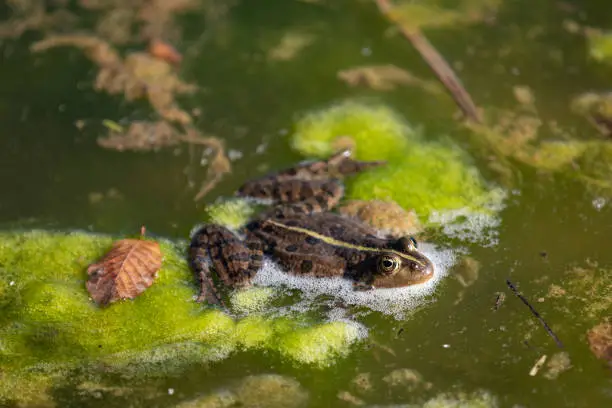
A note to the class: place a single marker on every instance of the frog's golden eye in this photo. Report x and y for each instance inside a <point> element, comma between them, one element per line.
<point>388,264</point>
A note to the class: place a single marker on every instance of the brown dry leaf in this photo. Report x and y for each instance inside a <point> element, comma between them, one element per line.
<point>126,271</point>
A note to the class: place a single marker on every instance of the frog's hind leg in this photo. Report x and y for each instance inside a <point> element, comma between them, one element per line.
<point>306,188</point>
<point>338,165</point>
<point>309,197</point>
<point>235,262</point>
<point>287,191</point>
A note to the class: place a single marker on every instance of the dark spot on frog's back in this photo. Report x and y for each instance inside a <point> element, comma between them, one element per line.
<point>336,230</point>
<point>291,248</point>
<point>306,266</point>
<point>308,206</point>
<point>311,240</point>
<point>255,245</point>
<point>239,256</point>
<point>256,257</point>
<point>322,201</point>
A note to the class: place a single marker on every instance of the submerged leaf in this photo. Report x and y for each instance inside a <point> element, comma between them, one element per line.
<point>385,78</point>
<point>125,272</point>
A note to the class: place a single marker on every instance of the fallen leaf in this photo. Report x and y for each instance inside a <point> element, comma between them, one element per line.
<point>126,271</point>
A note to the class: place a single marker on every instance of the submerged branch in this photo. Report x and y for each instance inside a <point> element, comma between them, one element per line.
<point>436,62</point>
<point>535,313</point>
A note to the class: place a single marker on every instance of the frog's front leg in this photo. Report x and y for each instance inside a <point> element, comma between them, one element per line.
<point>234,261</point>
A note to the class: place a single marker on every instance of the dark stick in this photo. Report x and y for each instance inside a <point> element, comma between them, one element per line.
<point>535,313</point>
<point>437,63</point>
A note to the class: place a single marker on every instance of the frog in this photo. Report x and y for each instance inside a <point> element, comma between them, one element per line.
<point>302,234</point>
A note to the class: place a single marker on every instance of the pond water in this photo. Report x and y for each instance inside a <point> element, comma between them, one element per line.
<point>55,176</point>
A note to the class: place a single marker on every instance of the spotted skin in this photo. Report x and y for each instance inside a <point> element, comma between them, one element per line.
<point>300,234</point>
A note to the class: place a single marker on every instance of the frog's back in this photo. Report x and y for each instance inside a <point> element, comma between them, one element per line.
<point>336,227</point>
<point>324,229</point>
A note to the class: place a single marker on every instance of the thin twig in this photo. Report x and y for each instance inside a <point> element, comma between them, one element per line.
<point>436,62</point>
<point>535,313</point>
<point>219,166</point>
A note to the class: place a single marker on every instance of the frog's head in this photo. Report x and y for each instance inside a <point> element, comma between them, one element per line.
<point>402,265</point>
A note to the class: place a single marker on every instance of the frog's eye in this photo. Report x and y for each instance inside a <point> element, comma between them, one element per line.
<point>406,244</point>
<point>388,264</point>
<point>414,242</point>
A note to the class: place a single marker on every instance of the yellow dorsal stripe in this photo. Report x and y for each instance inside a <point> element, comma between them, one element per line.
<point>335,242</point>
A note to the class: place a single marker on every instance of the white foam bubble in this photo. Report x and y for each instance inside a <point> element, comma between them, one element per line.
<point>475,226</point>
<point>470,226</point>
<point>397,302</point>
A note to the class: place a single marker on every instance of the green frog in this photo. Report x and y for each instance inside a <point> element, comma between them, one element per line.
<point>301,234</point>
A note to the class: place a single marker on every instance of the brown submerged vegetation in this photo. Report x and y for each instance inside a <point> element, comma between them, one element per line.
<point>150,74</point>
<point>586,291</point>
<point>386,78</point>
<point>138,75</point>
<point>600,341</point>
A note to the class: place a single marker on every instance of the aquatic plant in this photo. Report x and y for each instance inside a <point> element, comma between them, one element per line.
<point>48,323</point>
<point>600,45</point>
<point>422,175</point>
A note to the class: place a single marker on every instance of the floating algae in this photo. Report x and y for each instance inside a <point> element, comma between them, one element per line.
<point>599,45</point>
<point>257,391</point>
<point>48,324</point>
<point>427,177</point>
<point>421,14</point>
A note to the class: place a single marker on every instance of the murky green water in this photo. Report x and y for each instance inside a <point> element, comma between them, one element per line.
<point>49,169</point>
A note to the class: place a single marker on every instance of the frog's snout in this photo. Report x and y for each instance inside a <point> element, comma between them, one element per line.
<point>425,270</point>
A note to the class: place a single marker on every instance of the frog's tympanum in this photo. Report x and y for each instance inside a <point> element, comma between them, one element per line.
<point>301,234</point>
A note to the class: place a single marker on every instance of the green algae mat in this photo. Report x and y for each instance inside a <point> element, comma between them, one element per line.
<point>48,319</point>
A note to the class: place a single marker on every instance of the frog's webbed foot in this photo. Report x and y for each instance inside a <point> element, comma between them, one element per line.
<point>235,262</point>
<point>337,166</point>
<point>341,164</point>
